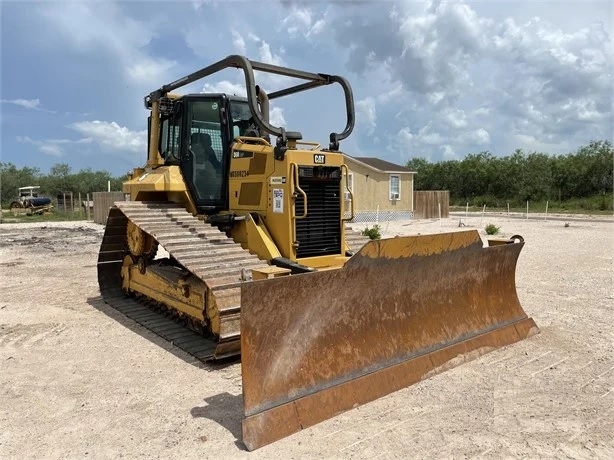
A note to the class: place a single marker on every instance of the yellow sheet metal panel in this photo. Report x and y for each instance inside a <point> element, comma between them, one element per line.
<point>424,245</point>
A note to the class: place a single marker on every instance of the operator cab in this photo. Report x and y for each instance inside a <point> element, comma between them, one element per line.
<point>196,133</point>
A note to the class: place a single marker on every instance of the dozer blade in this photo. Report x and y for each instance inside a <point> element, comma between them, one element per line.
<point>400,310</point>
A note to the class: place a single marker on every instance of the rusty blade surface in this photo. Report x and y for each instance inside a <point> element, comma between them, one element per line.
<point>316,344</point>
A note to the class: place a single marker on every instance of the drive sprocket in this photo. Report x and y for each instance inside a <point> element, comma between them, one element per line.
<point>139,242</point>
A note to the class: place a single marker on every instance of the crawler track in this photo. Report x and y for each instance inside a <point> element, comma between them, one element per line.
<point>197,247</point>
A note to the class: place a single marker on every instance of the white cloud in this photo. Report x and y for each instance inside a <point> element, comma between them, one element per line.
<point>405,136</point>
<point>238,42</point>
<point>253,37</point>
<point>27,103</point>
<point>268,81</point>
<point>226,87</point>
<point>438,78</point>
<point>298,20</point>
<point>102,27</point>
<point>531,143</point>
<point>366,113</point>
<point>276,116</point>
<point>448,152</point>
<point>53,147</point>
<point>426,135</point>
<point>267,56</point>
<point>107,134</point>
<point>317,27</point>
<point>482,111</point>
<point>32,104</point>
<point>435,46</point>
<point>476,137</point>
<point>205,43</point>
<point>113,136</point>
<point>301,21</point>
<point>149,70</point>
<point>456,118</point>
<point>476,81</point>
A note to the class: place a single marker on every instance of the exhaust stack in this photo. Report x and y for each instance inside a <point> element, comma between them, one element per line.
<point>263,100</point>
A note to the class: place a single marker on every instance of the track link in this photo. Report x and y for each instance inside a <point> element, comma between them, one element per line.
<point>201,249</point>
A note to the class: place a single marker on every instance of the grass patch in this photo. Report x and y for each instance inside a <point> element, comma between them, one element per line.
<point>492,229</point>
<point>598,204</point>
<point>373,232</point>
<point>22,217</point>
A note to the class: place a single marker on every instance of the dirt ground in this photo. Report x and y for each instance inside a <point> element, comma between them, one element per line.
<point>78,380</point>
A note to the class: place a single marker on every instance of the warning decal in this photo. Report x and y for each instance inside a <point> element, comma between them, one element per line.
<point>278,200</point>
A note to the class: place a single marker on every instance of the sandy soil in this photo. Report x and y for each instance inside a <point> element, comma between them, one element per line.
<point>77,380</point>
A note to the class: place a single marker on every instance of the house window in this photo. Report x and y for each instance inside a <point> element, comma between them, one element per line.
<point>350,184</point>
<point>395,187</point>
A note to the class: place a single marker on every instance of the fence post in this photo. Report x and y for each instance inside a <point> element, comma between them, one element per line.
<point>72,206</point>
<point>80,204</point>
<point>546,216</point>
<point>508,208</point>
<point>64,202</point>
<point>87,208</point>
<point>527,209</point>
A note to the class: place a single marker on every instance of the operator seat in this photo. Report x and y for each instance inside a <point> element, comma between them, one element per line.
<point>207,168</point>
<point>205,140</point>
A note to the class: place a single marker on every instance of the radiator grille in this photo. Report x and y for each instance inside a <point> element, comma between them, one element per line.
<point>319,234</point>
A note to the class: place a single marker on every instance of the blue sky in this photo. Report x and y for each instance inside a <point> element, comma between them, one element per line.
<point>436,80</point>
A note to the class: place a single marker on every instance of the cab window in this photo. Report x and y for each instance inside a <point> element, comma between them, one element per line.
<point>205,150</point>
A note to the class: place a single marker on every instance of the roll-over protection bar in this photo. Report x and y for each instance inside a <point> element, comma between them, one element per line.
<point>313,80</point>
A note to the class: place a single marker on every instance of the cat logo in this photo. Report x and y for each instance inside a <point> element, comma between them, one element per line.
<point>319,158</point>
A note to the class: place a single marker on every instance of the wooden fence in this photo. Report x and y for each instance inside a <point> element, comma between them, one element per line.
<point>426,204</point>
<point>102,202</point>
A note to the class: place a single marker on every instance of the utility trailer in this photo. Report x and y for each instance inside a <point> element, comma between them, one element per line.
<point>30,200</point>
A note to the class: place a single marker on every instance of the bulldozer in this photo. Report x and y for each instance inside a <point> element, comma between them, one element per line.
<point>245,244</point>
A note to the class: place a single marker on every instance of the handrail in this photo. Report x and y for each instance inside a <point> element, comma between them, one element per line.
<point>259,140</point>
<point>295,185</point>
<point>347,187</point>
<point>314,145</point>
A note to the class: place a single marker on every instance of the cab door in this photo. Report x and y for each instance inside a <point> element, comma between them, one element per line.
<point>204,160</point>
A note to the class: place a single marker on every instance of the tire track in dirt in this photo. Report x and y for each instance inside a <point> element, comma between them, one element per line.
<point>28,335</point>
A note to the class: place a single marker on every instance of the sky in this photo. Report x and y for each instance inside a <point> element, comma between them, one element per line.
<point>434,79</point>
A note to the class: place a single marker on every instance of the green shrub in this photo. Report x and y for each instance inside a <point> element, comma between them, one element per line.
<point>373,232</point>
<point>492,229</point>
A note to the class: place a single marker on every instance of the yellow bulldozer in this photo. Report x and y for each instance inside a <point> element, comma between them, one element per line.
<point>244,245</point>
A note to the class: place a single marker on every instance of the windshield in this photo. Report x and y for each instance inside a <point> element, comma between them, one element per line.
<point>241,117</point>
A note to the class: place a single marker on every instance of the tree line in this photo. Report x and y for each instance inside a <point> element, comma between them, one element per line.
<point>478,179</point>
<point>60,179</point>
<point>484,179</point>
